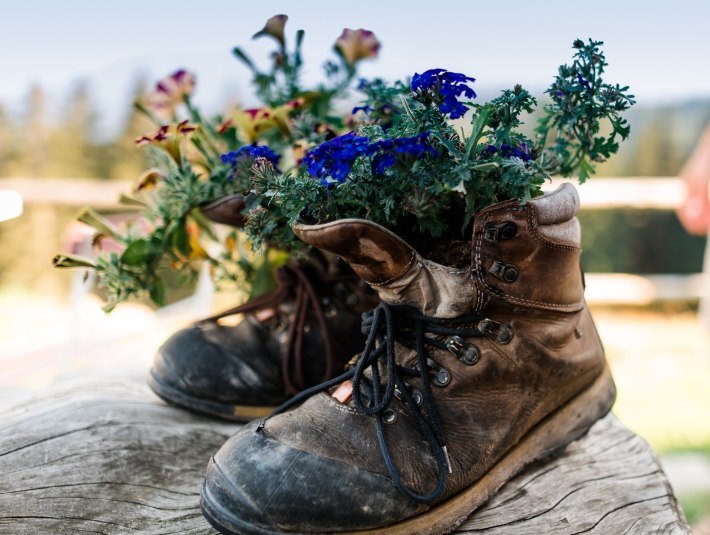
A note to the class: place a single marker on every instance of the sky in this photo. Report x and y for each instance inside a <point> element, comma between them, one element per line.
<point>660,48</point>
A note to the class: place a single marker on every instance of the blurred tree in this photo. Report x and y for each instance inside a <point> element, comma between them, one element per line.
<point>119,157</point>
<point>69,142</point>
<point>31,135</point>
<point>8,144</point>
<point>655,152</point>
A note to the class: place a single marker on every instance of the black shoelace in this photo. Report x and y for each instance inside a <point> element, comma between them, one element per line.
<point>384,325</point>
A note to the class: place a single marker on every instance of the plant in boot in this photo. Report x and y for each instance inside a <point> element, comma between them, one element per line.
<point>482,356</point>
<point>408,167</point>
<point>302,322</point>
<point>202,171</point>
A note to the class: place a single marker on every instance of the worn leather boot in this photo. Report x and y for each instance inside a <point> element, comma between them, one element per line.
<point>299,335</point>
<point>470,372</point>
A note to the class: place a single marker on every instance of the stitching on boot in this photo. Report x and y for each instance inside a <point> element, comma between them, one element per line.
<point>398,275</point>
<point>532,228</point>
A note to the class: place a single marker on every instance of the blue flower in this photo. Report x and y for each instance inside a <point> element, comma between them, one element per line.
<point>251,152</point>
<point>511,151</point>
<point>367,109</point>
<point>385,150</point>
<point>583,82</point>
<point>362,84</point>
<point>382,161</point>
<point>445,88</point>
<point>335,158</point>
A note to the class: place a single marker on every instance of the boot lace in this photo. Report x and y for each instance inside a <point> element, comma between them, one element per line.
<point>302,286</point>
<point>385,325</point>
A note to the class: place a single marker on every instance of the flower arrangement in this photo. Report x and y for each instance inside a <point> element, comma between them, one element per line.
<point>198,160</point>
<point>408,166</point>
<point>420,157</point>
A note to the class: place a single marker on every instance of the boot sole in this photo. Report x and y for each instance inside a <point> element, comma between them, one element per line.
<point>548,438</point>
<point>225,411</point>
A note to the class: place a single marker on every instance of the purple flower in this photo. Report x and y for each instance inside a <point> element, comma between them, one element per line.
<point>335,158</point>
<point>444,87</point>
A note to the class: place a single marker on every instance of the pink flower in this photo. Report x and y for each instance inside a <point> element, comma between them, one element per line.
<point>171,91</point>
<point>356,45</point>
<point>275,28</point>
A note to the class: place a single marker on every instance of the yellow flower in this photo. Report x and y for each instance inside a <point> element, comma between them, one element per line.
<point>168,138</point>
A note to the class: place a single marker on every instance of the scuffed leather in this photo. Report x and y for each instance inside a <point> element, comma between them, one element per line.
<point>376,254</point>
<point>393,268</point>
<point>266,483</point>
<point>487,408</point>
<point>242,364</point>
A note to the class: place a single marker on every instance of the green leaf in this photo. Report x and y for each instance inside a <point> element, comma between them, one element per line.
<point>181,239</point>
<point>70,261</point>
<point>157,292</point>
<point>136,253</point>
<point>90,217</point>
<point>480,121</point>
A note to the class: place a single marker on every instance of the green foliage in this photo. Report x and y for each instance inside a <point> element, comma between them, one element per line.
<point>169,232</point>
<point>435,194</point>
<point>582,103</point>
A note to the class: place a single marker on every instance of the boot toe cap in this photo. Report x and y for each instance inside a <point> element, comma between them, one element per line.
<point>255,484</point>
<point>215,366</point>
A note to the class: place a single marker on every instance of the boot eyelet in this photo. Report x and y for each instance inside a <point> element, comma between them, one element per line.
<point>508,230</point>
<point>417,397</point>
<point>465,352</point>
<point>510,274</point>
<point>502,334</point>
<point>471,356</point>
<point>389,416</point>
<point>505,335</point>
<point>442,377</point>
<point>505,272</point>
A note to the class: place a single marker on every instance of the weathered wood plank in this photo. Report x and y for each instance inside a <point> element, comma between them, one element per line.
<point>111,458</point>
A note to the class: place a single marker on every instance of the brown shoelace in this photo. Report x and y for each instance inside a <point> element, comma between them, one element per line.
<point>293,282</point>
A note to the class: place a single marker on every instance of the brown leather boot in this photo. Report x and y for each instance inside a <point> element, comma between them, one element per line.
<point>470,373</point>
<point>300,334</point>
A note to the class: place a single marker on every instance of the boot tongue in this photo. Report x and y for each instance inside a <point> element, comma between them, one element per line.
<point>393,268</point>
<point>226,210</point>
<point>375,254</point>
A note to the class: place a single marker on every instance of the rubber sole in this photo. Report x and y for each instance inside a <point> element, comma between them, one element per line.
<point>216,409</point>
<point>548,438</point>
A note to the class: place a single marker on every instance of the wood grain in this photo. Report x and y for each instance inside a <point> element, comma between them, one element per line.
<point>111,458</point>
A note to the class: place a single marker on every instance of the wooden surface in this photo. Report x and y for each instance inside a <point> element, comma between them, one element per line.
<point>111,458</point>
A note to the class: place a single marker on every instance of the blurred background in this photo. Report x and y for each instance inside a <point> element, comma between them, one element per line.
<point>71,70</point>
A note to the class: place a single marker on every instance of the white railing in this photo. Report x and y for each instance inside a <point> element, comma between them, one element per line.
<point>662,193</point>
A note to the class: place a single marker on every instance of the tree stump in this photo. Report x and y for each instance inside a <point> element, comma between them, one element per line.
<point>112,458</point>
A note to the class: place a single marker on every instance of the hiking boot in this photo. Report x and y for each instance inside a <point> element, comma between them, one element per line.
<point>470,372</point>
<point>296,336</point>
